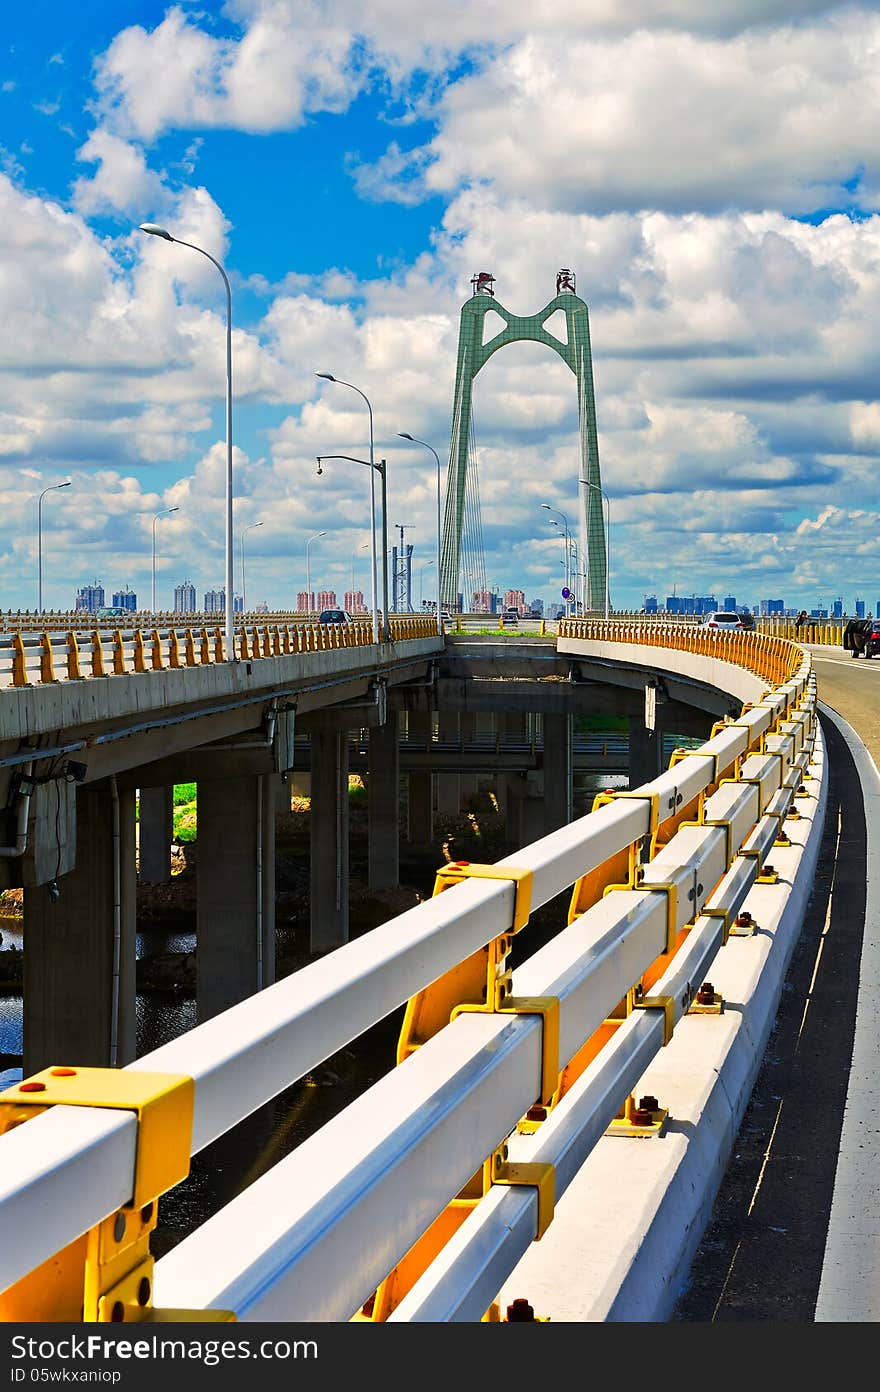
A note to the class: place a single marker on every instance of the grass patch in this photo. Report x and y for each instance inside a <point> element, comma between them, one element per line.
<point>184,793</point>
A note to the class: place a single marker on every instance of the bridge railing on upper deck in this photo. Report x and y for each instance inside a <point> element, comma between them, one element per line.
<point>29,658</point>
<point>418,1199</point>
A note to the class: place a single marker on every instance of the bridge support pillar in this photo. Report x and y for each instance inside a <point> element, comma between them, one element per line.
<point>74,1013</point>
<point>645,752</point>
<point>156,826</point>
<point>557,772</point>
<point>235,922</point>
<point>383,804</point>
<point>329,840</point>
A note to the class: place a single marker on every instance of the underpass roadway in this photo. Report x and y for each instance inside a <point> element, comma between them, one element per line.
<point>793,1235</point>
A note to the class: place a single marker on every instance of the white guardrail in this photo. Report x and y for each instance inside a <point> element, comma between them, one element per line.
<point>329,1226</point>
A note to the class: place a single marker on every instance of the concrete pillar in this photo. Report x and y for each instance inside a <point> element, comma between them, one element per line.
<point>235,920</point>
<point>557,771</point>
<point>329,840</point>
<point>154,834</point>
<point>645,752</point>
<point>77,1008</point>
<point>383,804</point>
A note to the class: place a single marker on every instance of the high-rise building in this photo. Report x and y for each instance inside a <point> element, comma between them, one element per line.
<point>651,604</point>
<point>537,608</point>
<point>354,602</point>
<point>837,609</point>
<point>326,599</point>
<point>215,601</point>
<point>237,604</point>
<point>772,606</point>
<point>305,602</point>
<point>729,602</point>
<point>482,602</point>
<point>860,608</point>
<point>90,597</point>
<point>515,599</point>
<point>125,599</point>
<point>261,608</point>
<point>185,598</point>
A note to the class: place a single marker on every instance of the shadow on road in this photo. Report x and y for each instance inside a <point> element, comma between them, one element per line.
<point>761,1255</point>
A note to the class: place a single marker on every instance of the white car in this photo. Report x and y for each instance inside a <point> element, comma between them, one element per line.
<point>723,618</point>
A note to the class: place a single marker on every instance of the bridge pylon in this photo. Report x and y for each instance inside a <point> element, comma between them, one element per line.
<point>474,351</point>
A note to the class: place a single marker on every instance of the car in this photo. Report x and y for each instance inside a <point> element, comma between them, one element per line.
<point>862,636</point>
<point>112,611</point>
<point>511,617</point>
<point>328,616</point>
<point>724,618</point>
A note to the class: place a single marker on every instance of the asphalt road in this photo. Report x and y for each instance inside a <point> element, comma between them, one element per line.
<point>762,1254</point>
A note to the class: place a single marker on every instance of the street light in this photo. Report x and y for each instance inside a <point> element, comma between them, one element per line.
<point>155,231</point>
<point>328,377</point>
<point>309,569</point>
<point>405,436</point>
<point>155,520</point>
<point>50,489</point>
<point>604,496</point>
<point>243,599</point>
<point>377,466</point>
<point>567,550</point>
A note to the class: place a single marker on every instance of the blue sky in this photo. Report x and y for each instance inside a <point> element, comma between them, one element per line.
<point>709,173</point>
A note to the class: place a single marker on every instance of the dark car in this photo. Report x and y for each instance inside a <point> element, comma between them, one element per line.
<point>862,636</point>
<point>746,620</point>
<point>334,616</point>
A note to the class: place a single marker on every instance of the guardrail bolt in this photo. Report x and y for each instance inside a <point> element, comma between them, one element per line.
<point>769,870</point>
<point>520,1312</point>
<point>536,1113</point>
<point>119,1227</point>
<point>744,919</point>
<point>706,994</point>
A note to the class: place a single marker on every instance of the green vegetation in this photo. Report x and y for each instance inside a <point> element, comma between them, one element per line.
<point>183,819</point>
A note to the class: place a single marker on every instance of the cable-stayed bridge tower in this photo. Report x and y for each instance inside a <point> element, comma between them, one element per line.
<point>462,551</point>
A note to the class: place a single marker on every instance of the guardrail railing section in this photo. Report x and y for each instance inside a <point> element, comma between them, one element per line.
<point>30,658</point>
<point>416,1202</point>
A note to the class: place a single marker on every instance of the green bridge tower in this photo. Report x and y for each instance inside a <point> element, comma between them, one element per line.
<point>473,352</point>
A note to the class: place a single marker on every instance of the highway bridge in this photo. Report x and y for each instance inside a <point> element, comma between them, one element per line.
<point>560,1124</point>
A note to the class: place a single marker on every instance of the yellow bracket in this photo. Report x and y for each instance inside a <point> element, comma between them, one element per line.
<point>664,1003</point>
<point>540,1177</point>
<point>671,891</point>
<point>728,839</point>
<point>162,1102</point>
<point>548,1008</point>
<point>601,799</point>
<point>724,915</point>
<point>106,1275</point>
<point>680,754</point>
<point>459,870</point>
<point>758,783</point>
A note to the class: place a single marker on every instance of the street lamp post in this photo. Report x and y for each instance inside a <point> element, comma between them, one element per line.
<point>309,596</point>
<point>377,466</point>
<point>155,520</point>
<point>328,377</point>
<point>405,436</point>
<point>156,231</point>
<point>243,591</point>
<point>567,549</point>
<point>604,496</point>
<point>50,489</point>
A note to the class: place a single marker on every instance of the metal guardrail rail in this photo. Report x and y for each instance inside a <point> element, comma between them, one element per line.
<point>408,1201</point>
